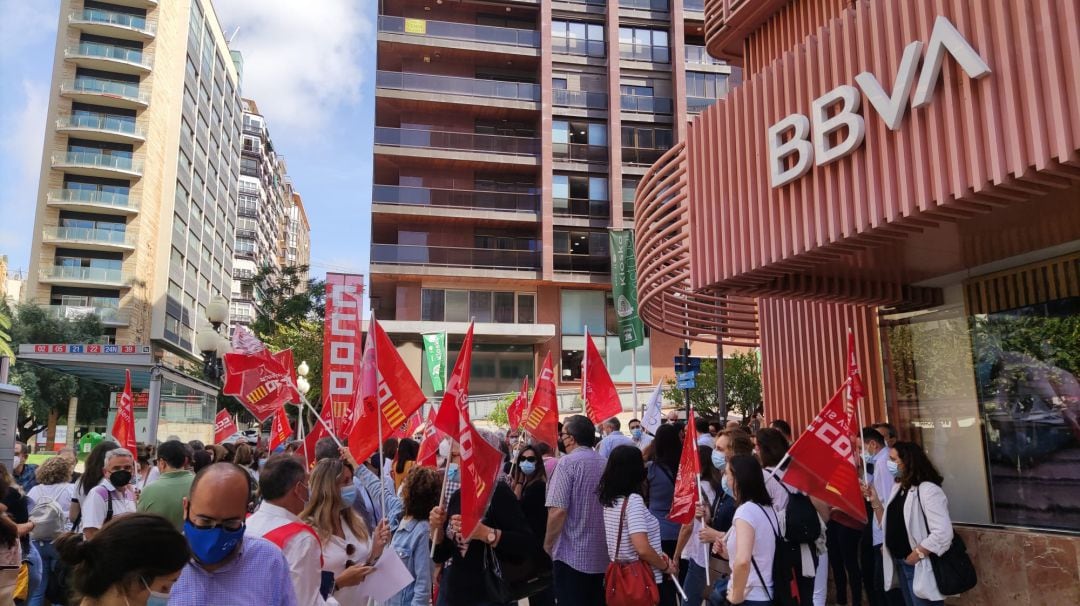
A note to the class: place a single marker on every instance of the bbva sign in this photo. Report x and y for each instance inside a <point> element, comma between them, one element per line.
<point>808,138</point>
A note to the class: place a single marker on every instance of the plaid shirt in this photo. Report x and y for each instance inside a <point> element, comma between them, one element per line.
<point>259,574</point>
<point>573,487</point>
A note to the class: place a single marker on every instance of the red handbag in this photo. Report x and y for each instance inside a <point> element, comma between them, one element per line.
<point>629,583</point>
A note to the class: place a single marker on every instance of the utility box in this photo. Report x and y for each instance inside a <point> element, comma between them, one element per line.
<point>9,420</point>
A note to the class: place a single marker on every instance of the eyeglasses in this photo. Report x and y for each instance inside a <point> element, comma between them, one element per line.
<point>633,427</point>
<point>529,459</point>
<point>202,523</point>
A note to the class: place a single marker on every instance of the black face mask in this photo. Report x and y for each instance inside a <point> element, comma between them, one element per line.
<point>120,478</point>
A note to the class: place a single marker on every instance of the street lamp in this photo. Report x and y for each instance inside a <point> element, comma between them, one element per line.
<point>303,387</point>
<point>210,342</point>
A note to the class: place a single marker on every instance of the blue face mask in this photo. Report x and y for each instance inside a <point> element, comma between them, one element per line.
<point>453,473</point>
<point>893,468</point>
<point>211,545</point>
<point>156,598</point>
<point>637,433</point>
<point>528,468</point>
<point>727,489</point>
<point>866,456</point>
<point>719,461</point>
<point>348,496</point>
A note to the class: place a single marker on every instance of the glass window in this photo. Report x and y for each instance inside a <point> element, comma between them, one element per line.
<point>457,306</point>
<point>598,188</point>
<point>558,83</point>
<point>503,307</point>
<point>480,306</point>
<point>560,131</point>
<point>175,291</point>
<point>526,309</point>
<point>619,362</point>
<point>581,308</point>
<point>431,305</point>
<point>597,134</point>
<point>560,186</point>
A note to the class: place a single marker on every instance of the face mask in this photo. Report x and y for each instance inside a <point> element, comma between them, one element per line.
<point>262,463</point>
<point>120,478</point>
<point>212,545</point>
<point>444,450</point>
<point>528,467</point>
<point>18,460</point>
<point>453,473</point>
<point>348,495</point>
<point>894,468</point>
<point>156,598</point>
<point>727,489</point>
<point>637,433</point>
<point>719,460</point>
<point>866,456</point>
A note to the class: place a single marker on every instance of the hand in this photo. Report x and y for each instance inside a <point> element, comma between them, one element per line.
<point>347,456</point>
<point>913,558</point>
<point>437,517</point>
<point>700,513</point>
<point>382,535</point>
<point>720,549</point>
<point>709,535</point>
<point>354,575</point>
<point>455,525</point>
<point>672,567</point>
<point>875,502</point>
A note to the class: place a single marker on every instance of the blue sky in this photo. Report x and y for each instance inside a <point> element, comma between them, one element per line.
<point>310,71</point>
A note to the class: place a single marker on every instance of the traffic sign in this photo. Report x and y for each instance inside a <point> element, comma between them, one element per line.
<point>685,380</point>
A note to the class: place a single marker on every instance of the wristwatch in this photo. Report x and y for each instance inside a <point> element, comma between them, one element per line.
<point>491,536</point>
<point>922,556</point>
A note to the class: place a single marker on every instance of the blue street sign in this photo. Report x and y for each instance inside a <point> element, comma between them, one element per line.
<point>685,380</point>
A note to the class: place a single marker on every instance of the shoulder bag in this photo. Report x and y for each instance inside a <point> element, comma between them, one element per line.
<point>953,569</point>
<point>629,583</point>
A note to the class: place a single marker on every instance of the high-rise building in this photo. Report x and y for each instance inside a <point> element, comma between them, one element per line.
<point>297,234</point>
<point>136,207</point>
<point>509,137</point>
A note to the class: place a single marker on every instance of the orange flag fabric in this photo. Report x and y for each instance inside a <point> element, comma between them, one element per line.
<point>279,429</point>
<point>685,500</point>
<point>516,410</point>
<point>123,429</point>
<point>541,419</point>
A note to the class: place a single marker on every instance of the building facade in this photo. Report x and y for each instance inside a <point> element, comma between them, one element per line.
<point>136,208</point>
<point>908,171</point>
<point>297,249</point>
<point>509,138</point>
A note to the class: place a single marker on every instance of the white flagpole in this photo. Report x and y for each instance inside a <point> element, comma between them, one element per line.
<point>633,381</point>
<point>704,546</point>
<point>858,411</point>
<point>321,420</point>
<point>378,415</point>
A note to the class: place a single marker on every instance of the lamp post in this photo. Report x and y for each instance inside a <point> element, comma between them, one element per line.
<point>303,387</point>
<point>212,343</point>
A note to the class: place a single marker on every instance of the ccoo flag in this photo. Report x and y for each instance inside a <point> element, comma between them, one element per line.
<point>685,499</point>
<point>516,410</point>
<point>601,398</point>
<point>279,429</point>
<point>429,444</point>
<point>223,426</point>
<point>624,288</point>
<point>541,419</point>
<point>123,429</point>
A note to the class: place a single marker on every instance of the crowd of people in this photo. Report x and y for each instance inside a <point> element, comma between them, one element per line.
<point>185,523</point>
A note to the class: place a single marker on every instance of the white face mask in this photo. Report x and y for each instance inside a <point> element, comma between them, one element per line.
<point>18,460</point>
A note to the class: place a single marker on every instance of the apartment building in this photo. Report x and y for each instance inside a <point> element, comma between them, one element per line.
<point>297,247</point>
<point>136,208</point>
<point>509,138</point>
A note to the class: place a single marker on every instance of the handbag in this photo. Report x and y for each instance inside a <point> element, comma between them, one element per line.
<point>629,583</point>
<point>495,587</point>
<point>953,569</point>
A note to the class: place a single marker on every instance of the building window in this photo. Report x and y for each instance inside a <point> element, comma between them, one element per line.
<point>584,251</point>
<point>573,38</point>
<point>643,145</point>
<point>437,305</point>
<point>641,44</point>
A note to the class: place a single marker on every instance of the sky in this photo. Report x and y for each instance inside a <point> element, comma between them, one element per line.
<point>311,72</point>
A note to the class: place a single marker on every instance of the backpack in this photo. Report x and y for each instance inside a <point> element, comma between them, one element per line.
<point>48,519</point>
<point>789,587</point>
<point>803,526</point>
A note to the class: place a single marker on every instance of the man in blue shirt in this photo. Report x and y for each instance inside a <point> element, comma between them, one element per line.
<point>25,474</point>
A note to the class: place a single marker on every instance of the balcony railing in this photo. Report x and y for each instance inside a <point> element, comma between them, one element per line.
<point>460,31</point>
<point>83,274</point>
<point>697,55</point>
<point>241,318</point>
<point>108,51</point>
<point>578,46</point>
<point>641,156</point>
<point>97,160</point>
<point>578,98</point>
<point>647,5</point>
<point>88,234</point>
<point>473,87</point>
<point>456,198</point>
<point>645,104</point>
<point>86,84</point>
<point>696,105</point>
<point>644,52</point>
<point>107,315</point>
<point>447,256</point>
<point>582,208</point>
<point>100,122</point>
<point>585,264</point>
<point>97,15</point>
<point>579,152</point>
<point>432,139</point>
<point>92,196</point>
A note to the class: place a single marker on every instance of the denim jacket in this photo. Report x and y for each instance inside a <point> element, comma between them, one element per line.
<point>413,545</point>
<point>368,481</point>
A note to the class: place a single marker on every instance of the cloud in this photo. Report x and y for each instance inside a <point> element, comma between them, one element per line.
<point>25,23</point>
<point>21,140</point>
<point>302,61</point>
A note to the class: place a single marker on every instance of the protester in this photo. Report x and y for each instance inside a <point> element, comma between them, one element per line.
<point>756,421</point>
<point>638,435</point>
<point>370,490</point>
<point>510,447</point>
<point>704,437</point>
<point>93,472</point>
<point>196,445</point>
<point>672,417</point>
<point>219,452</point>
<point>228,567</point>
<point>350,548</point>
<point>284,490</point>
<point>630,530</point>
<point>887,431</point>
<point>10,559</point>
<point>146,471</point>
<point>165,496</point>
<point>732,425</point>
<point>613,438</point>
<point>750,545</point>
<point>24,473</point>
<point>230,452</point>
<point>113,496</point>
<point>730,443</point>
<point>200,459</point>
<point>917,524</point>
<point>135,560</point>
<point>51,502</point>
<point>68,453</point>
<point>529,481</point>
<point>17,506</point>
<point>411,540</point>
<point>660,474</point>
<point>574,536</point>
<point>843,534</point>
<point>714,429</point>
<point>873,561</point>
<point>503,529</point>
<point>783,427</point>
<point>389,453</point>
<point>550,460</point>
<point>690,548</point>
<point>407,451</point>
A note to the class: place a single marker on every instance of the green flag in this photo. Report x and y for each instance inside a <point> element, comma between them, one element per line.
<point>624,289</point>
<point>435,352</point>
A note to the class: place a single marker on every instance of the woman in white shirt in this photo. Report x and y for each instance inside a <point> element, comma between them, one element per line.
<point>50,502</point>
<point>347,543</point>
<point>751,542</point>
<point>635,535</point>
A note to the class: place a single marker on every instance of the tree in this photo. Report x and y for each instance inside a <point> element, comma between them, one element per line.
<point>5,332</point>
<point>286,299</point>
<point>498,414</point>
<point>742,382</point>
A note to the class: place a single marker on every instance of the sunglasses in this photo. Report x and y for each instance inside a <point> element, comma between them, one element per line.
<point>350,550</point>
<point>529,459</point>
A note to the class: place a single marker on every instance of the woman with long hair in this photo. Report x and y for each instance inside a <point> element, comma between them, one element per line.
<point>412,538</point>
<point>660,474</point>
<point>916,522</point>
<point>690,547</point>
<point>751,543</point>
<point>407,451</point>
<point>10,559</point>
<point>631,530</point>
<point>54,486</point>
<point>528,478</point>
<point>346,540</point>
<point>93,472</point>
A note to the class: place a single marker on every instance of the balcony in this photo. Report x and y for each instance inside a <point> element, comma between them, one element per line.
<point>469,142</point>
<point>641,156</point>
<point>239,318</point>
<point>696,105</point>
<point>107,57</point>
<point>579,152</point>
<point>469,87</point>
<point>644,104</point>
<point>582,208</point>
<point>89,238</point>
<point>89,200</point>
<point>562,97</point>
<point>112,23</point>
<point>656,6</point>
<point>456,198</point>
<point>583,264</point>
<point>149,4</point>
<point>697,55</point>
<point>449,256</point>
<point>446,30</point>
<point>109,316</point>
<point>96,164</point>
<point>243,274</point>
<point>105,92</point>
<point>728,22</point>
<point>578,46</point>
<point>82,276</point>
<point>644,52</point>
<point>101,128</point>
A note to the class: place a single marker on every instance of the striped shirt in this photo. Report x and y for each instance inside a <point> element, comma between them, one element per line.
<point>638,519</point>
<point>573,488</point>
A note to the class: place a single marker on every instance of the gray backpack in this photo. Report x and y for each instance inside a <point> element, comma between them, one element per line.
<point>48,519</point>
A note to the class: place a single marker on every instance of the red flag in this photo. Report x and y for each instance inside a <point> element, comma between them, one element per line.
<point>317,433</point>
<point>456,395</point>
<point>369,380</point>
<point>601,398</point>
<point>223,426</point>
<point>397,397</point>
<point>123,429</point>
<point>821,459</point>
<point>541,419</point>
<point>262,382</point>
<point>429,445</point>
<point>279,429</point>
<point>685,500</point>
<point>517,409</point>
<point>408,429</point>
<point>342,332</point>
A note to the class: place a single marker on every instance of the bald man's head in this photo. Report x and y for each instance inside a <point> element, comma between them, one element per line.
<point>219,492</point>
